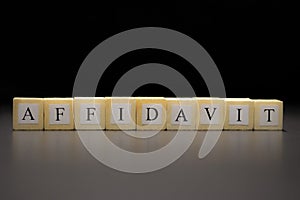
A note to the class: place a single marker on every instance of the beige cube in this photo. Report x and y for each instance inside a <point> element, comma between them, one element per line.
<point>211,113</point>
<point>239,114</point>
<point>58,114</point>
<point>120,113</point>
<point>151,113</point>
<point>28,114</point>
<point>268,114</point>
<point>181,113</point>
<point>89,113</point>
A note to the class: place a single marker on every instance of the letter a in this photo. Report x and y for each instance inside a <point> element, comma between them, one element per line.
<point>181,114</point>
<point>28,114</point>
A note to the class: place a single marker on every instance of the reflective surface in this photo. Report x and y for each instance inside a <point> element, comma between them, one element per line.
<point>242,165</point>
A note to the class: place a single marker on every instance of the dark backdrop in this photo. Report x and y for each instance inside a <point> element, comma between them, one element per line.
<point>248,40</point>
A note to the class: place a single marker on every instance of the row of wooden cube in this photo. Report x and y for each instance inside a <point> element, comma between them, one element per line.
<point>146,113</point>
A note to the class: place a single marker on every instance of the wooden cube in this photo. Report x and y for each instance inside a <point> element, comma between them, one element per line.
<point>58,114</point>
<point>181,113</point>
<point>89,113</point>
<point>28,114</point>
<point>120,113</point>
<point>239,114</point>
<point>268,114</point>
<point>151,113</point>
<point>211,113</point>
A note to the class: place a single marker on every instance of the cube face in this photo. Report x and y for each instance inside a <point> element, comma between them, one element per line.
<point>211,113</point>
<point>239,114</point>
<point>58,114</point>
<point>181,113</point>
<point>268,115</point>
<point>28,114</point>
<point>151,113</point>
<point>89,113</point>
<point>120,113</point>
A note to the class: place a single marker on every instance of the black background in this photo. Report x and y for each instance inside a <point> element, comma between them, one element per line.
<point>248,40</point>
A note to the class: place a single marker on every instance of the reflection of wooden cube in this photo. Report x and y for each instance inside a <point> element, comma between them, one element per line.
<point>151,113</point>
<point>181,113</point>
<point>211,112</point>
<point>28,114</point>
<point>58,114</point>
<point>268,114</point>
<point>89,113</point>
<point>120,113</point>
<point>239,114</point>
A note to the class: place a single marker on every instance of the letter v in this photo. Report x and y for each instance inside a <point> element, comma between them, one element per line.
<point>208,114</point>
